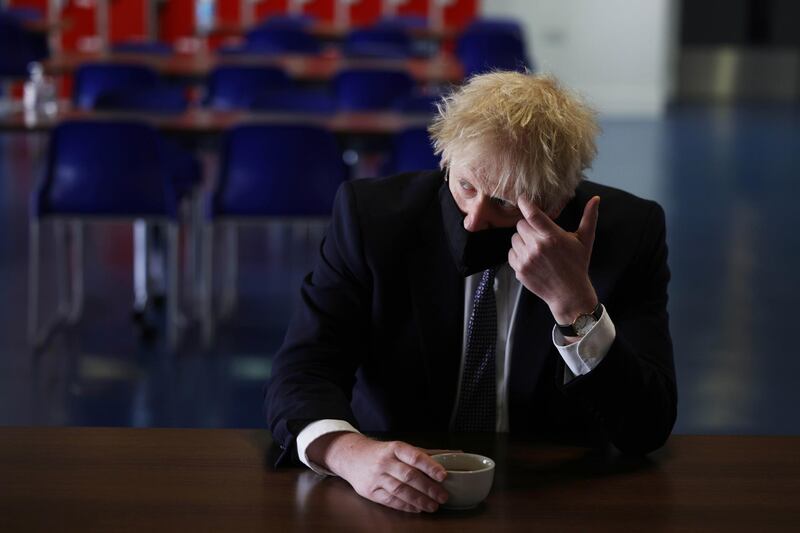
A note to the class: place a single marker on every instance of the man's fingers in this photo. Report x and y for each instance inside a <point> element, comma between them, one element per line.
<point>417,458</point>
<point>588,224</point>
<point>537,218</point>
<point>419,481</point>
<point>409,494</point>
<point>438,452</point>
<point>384,498</point>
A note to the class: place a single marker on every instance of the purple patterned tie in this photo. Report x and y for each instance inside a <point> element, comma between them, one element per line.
<point>478,396</point>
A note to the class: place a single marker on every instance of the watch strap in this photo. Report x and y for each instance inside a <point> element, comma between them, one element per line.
<point>568,330</point>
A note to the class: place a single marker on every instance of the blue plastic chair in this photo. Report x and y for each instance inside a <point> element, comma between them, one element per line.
<point>94,79</point>
<point>378,41</point>
<point>487,49</point>
<point>159,99</point>
<point>296,100</point>
<point>239,87</point>
<point>19,47</point>
<point>267,172</point>
<point>123,87</point>
<point>404,22</point>
<point>412,149</point>
<point>97,171</point>
<point>143,47</point>
<point>496,25</point>
<point>418,103</point>
<point>281,39</point>
<point>286,21</point>
<point>371,90</point>
<point>23,13</point>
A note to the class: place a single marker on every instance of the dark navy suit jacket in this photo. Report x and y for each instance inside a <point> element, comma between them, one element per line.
<point>377,335</point>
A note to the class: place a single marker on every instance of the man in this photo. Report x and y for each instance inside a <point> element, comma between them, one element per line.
<point>491,296</point>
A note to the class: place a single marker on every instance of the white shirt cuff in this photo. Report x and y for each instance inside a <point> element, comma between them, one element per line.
<point>583,356</point>
<point>312,432</point>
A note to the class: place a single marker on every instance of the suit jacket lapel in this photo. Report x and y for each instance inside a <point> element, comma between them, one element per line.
<point>532,342</point>
<point>437,291</point>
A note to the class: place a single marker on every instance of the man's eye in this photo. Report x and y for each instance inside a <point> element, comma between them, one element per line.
<point>504,204</point>
<point>466,186</point>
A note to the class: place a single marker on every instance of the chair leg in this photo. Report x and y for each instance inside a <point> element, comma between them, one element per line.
<point>33,281</point>
<point>231,274</point>
<point>189,252</point>
<point>62,270</point>
<point>207,314</point>
<point>172,266</point>
<point>140,266</point>
<point>195,239</point>
<point>76,307</point>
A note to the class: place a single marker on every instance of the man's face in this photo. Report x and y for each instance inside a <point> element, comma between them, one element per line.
<point>473,195</point>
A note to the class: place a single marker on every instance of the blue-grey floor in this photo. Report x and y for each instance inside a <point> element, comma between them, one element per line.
<point>723,175</point>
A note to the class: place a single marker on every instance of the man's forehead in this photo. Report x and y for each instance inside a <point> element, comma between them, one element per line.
<point>482,175</point>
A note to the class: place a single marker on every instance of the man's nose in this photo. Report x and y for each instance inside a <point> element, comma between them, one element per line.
<point>479,216</point>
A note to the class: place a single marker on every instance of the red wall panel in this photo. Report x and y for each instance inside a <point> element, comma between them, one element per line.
<point>127,18</point>
<point>267,8</point>
<point>320,9</point>
<point>176,19</point>
<point>460,13</point>
<point>416,8</point>
<point>365,12</point>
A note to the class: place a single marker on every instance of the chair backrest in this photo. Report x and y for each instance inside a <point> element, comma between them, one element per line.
<point>143,47</point>
<point>379,41</point>
<point>296,100</point>
<point>412,149</point>
<point>160,99</point>
<point>22,13</point>
<point>19,47</point>
<point>285,21</point>
<point>495,25</point>
<point>418,103</point>
<point>488,49</point>
<point>405,22</point>
<point>94,79</point>
<point>239,86</point>
<point>105,168</point>
<point>281,39</point>
<point>365,90</point>
<point>278,171</point>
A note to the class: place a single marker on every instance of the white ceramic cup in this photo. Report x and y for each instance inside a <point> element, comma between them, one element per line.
<point>469,478</point>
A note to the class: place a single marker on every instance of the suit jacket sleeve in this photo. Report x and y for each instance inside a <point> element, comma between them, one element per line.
<point>314,371</point>
<point>632,392</point>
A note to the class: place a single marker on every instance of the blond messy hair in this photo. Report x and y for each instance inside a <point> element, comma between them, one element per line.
<point>524,130</point>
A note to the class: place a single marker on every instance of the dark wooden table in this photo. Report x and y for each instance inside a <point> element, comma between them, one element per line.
<point>439,69</point>
<point>201,122</point>
<point>79,479</point>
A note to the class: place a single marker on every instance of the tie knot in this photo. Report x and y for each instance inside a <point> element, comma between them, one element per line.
<point>488,275</point>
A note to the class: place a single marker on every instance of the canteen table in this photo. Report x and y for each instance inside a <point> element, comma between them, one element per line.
<point>119,479</point>
<point>201,122</point>
<point>441,69</point>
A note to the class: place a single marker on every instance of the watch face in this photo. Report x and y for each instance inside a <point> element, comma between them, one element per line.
<point>583,324</point>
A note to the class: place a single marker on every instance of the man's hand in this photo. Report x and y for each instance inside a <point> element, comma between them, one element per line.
<point>394,474</point>
<point>553,263</point>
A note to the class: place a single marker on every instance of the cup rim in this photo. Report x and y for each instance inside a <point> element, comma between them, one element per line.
<point>487,467</point>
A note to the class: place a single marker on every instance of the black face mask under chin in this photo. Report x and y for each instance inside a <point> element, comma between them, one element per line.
<point>473,251</point>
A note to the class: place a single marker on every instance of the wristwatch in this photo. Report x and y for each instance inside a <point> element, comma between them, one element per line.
<point>582,324</point>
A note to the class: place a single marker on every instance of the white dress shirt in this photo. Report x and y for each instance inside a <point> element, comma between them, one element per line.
<point>579,357</point>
